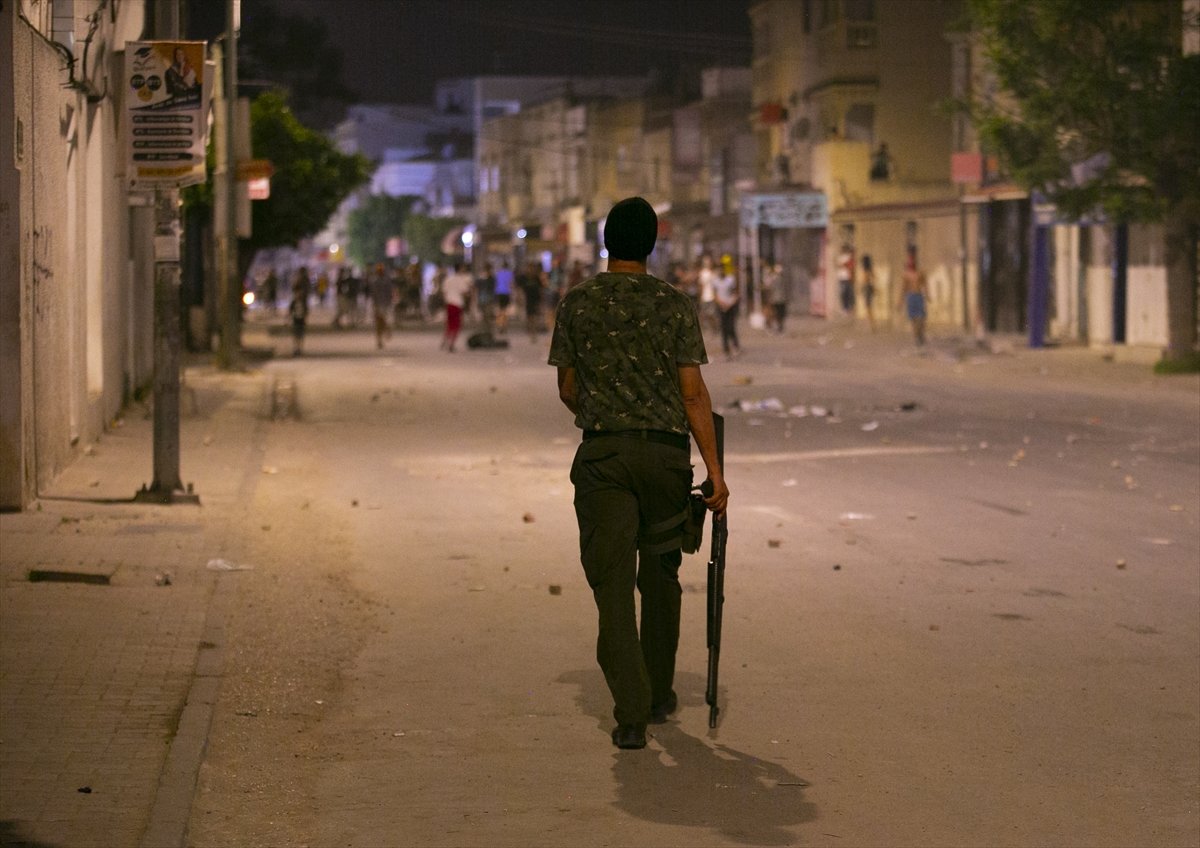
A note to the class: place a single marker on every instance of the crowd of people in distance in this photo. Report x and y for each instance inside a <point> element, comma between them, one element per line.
<point>385,295</point>
<point>491,296</point>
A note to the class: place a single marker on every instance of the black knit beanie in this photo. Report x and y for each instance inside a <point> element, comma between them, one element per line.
<point>631,230</point>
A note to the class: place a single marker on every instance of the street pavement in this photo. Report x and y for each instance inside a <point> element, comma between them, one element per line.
<point>963,609</point>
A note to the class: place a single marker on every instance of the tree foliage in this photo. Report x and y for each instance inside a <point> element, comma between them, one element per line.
<point>1101,108</point>
<point>425,234</point>
<point>1097,106</point>
<point>380,217</point>
<point>311,176</point>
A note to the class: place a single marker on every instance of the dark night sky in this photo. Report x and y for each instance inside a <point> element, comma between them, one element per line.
<point>394,50</point>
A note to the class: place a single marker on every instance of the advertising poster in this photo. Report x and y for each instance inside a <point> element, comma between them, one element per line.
<point>167,127</point>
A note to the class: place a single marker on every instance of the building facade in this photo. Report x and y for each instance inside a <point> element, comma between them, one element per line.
<point>848,100</point>
<point>76,315</point>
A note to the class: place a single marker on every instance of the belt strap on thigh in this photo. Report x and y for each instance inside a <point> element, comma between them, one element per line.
<point>663,536</point>
<point>673,521</point>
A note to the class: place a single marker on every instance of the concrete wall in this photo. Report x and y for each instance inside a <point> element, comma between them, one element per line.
<point>914,80</point>
<point>883,235</point>
<point>48,190</point>
<point>1146,288</point>
<point>74,332</point>
<point>1069,321</point>
<point>16,386</point>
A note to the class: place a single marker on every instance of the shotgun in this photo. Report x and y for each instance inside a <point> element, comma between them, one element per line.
<point>716,587</point>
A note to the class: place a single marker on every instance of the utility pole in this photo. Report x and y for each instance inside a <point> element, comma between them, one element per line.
<point>167,486</point>
<point>229,351</point>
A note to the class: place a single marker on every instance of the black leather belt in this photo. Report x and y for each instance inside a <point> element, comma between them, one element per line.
<point>662,437</point>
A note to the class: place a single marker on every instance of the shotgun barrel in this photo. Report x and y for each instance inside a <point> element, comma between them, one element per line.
<point>716,588</point>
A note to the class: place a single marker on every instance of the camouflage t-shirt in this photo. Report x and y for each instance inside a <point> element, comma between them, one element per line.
<point>624,334</point>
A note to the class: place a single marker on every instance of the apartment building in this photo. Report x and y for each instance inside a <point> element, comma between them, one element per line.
<point>550,173</point>
<point>712,162</point>
<point>853,149</point>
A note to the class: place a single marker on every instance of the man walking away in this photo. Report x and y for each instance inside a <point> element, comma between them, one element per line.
<point>298,311</point>
<point>342,288</point>
<point>776,286</point>
<point>532,286</point>
<point>628,349</point>
<point>381,301</point>
<point>504,288</point>
<point>725,291</point>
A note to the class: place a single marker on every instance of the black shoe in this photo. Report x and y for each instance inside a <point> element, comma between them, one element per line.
<point>658,714</point>
<point>629,736</point>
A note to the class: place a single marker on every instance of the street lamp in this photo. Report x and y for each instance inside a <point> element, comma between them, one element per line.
<point>468,239</point>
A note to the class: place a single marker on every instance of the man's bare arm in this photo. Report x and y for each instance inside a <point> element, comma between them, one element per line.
<point>567,390</point>
<point>698,405</point>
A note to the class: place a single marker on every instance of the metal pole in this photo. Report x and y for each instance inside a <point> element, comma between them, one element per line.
<point>166,487</point>
<point>1039,286</point>
<point>962,259</point>
<point>231,287</point>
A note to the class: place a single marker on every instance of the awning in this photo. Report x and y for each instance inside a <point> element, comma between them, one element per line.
<point>997,191</point>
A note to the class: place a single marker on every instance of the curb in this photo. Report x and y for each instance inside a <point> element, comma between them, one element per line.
<point>171,811</point>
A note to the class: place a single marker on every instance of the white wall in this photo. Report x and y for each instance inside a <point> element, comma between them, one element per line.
<point>1146,288</point>
<point>1146,306</point>
<point>1099,304</point>
<point>1065,325</point>
<point>67,325</point>
<point>16,420</point>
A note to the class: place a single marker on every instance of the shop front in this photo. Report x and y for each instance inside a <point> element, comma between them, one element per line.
<point>786,228</point>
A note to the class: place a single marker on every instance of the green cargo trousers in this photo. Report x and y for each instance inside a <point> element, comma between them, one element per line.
<point>627,492</point>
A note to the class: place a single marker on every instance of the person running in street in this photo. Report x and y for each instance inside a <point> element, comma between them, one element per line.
<point>628,350</point>
<point>456,289</point>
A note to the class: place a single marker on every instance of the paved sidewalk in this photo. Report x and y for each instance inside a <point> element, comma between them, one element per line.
<point>99,742</point>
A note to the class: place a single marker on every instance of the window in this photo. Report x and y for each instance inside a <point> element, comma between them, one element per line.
<point>859,11</point>
<point>859,123</point>
<point>860,36</point>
